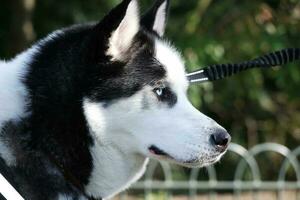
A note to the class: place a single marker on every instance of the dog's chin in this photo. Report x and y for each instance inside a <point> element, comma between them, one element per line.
<point>196,162</point>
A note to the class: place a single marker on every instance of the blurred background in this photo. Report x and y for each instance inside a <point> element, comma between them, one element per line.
<point>256,106</point>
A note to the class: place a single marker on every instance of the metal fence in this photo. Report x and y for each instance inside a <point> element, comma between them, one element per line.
<point>237,188</point>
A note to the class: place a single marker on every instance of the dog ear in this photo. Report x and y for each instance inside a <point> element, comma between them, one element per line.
<point>121,38</point>
<point>113,35</point>
<point>156,17</point>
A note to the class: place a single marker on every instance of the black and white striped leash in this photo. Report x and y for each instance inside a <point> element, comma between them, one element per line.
<point>221,71</point>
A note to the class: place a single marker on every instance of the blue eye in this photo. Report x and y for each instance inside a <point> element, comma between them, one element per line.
<point>165,94</point>
<point>159,91</point>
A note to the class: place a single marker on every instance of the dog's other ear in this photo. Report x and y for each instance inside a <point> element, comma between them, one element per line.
<point>122,36</point>
<point>155,18</point>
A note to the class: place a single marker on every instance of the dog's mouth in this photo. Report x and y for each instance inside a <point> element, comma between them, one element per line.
<point>160,154</point>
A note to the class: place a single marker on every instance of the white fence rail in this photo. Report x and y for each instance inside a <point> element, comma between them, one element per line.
<point>236,188</point>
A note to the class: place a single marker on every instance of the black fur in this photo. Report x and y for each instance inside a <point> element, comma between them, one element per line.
<point>52,143</point>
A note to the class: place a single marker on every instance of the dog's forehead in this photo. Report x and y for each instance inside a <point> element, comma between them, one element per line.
<point>173,63</point>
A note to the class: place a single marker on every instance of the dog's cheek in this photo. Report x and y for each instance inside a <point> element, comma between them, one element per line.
<point>148,99</point>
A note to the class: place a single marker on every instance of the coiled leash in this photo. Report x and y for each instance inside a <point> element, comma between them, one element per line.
<point>221,71</point>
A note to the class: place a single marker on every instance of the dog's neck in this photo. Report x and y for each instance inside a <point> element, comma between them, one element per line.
<point>113,170</point>
<point>115,162</point>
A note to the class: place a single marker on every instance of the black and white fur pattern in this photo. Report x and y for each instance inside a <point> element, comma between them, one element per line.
<point>83,110</point>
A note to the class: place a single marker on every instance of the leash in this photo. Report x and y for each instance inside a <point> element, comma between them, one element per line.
<point>8,191</point>
<point>221,71</point>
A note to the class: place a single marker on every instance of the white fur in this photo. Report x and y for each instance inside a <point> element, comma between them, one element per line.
<point>160,19</point>
<point>96,120</point>
<point>116,163</point>
<point>114,170</point>
<point>12,91</point>
<point>121,39</point>
<point>174,64</point>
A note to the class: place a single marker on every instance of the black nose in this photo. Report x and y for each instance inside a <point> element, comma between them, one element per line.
<point>220,139</point>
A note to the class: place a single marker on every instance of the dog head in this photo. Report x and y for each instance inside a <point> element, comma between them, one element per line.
<point>139,103</point>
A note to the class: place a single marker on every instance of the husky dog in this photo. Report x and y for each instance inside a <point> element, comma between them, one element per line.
<point>83,110</point>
